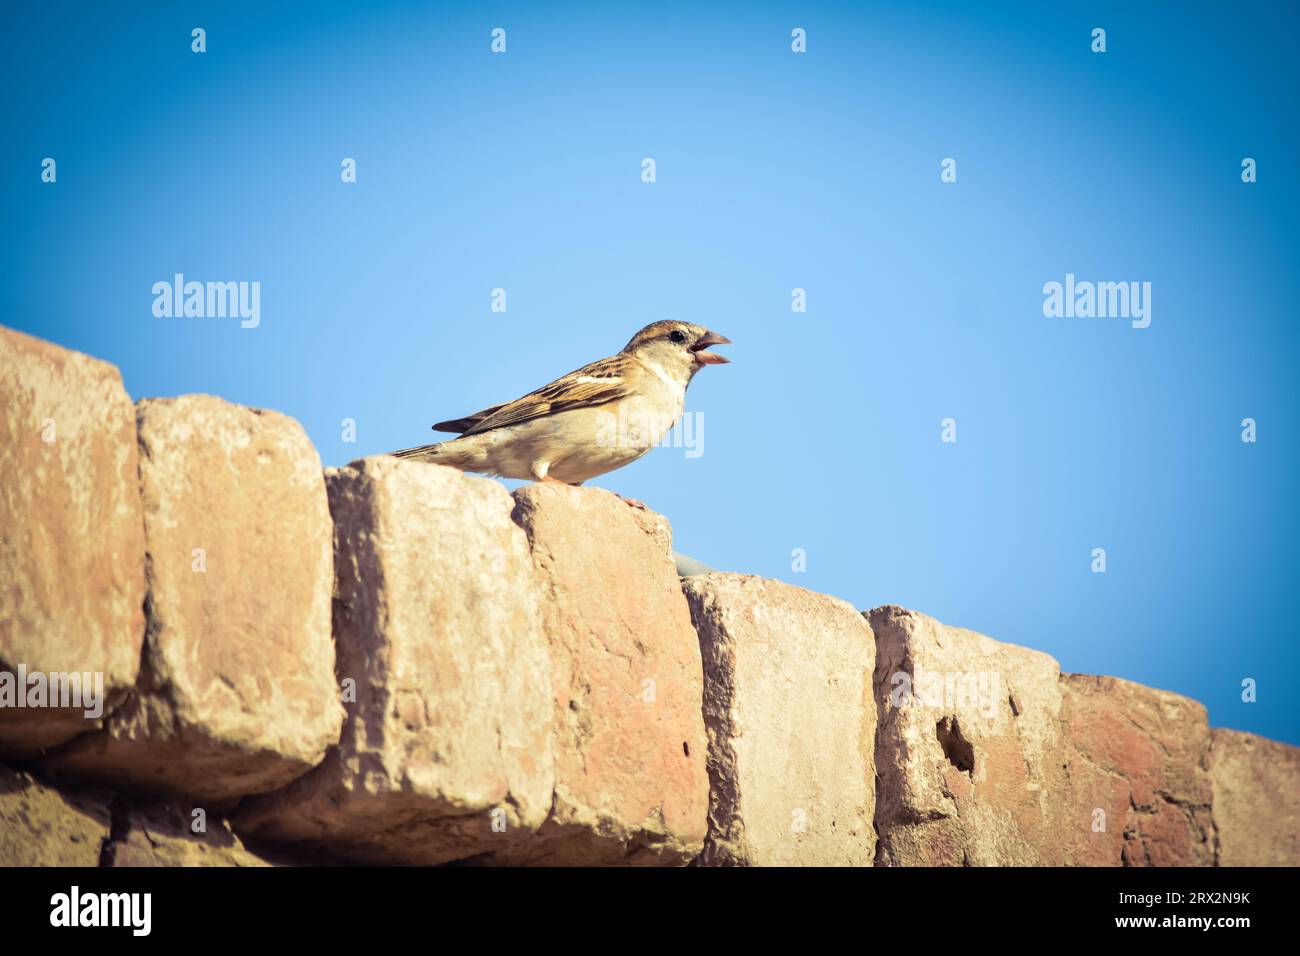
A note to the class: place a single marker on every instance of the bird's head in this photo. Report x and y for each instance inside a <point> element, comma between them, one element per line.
<point>679,348</point>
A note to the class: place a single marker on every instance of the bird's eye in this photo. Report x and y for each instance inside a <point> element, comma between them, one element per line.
<point>677,335</point>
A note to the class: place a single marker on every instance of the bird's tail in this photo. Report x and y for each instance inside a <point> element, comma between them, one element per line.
<point>419,453</point>
<point>451,452</point>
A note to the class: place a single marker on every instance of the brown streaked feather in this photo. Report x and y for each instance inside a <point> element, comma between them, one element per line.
<point>564,394</point>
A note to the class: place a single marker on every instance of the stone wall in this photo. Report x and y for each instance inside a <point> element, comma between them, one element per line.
<point>397,663</point>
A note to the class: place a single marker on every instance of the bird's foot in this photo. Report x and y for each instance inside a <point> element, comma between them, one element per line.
<point>632,502</point>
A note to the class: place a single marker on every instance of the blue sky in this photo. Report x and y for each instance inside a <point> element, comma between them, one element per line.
<point>775,170</point>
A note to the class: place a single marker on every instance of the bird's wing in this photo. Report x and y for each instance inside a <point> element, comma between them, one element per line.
<point>595,384</point>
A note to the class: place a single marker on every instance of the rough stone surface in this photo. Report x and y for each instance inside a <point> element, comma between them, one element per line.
<point>791,721</point>
<point>41,827</point>
<point>437,623</point>
<point>1028,766</point>
<point>71,540</point>
<point>166,836</point>
<point>657,527</point>
<point>966,751</point>
<point>1256,799</point>
<point>237,692</point>
<point>1140,756</point>
<point>631,783</point>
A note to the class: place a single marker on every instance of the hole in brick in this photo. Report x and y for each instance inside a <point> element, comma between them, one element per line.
<point>1015,708</point>
<point>686,748</point>
<point>959,751</point>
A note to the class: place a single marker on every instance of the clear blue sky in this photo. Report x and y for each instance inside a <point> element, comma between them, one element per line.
<point>774,171</point>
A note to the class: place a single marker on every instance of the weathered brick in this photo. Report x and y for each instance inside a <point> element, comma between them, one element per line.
<point>791,722</point>
<point>967,747</point>
<point>237,692</point>
<point>71,539</point>
<point>1256,799</point>
<point>1137,762</point>
<point>631,784</point>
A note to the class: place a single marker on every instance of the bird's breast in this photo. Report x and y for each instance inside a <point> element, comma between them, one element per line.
<point>587,442</point>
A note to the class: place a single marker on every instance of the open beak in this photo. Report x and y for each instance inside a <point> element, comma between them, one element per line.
<point>710,358</point>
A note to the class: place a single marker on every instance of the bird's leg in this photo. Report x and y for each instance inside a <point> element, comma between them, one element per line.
<point>540,471</point>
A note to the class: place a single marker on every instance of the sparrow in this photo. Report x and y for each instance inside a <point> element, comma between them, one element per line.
<point>595,419</point>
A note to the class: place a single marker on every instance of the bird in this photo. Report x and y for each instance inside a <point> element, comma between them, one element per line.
<point>591,421</point>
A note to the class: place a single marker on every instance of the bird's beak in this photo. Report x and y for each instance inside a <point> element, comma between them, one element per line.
<point>710,358</point>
